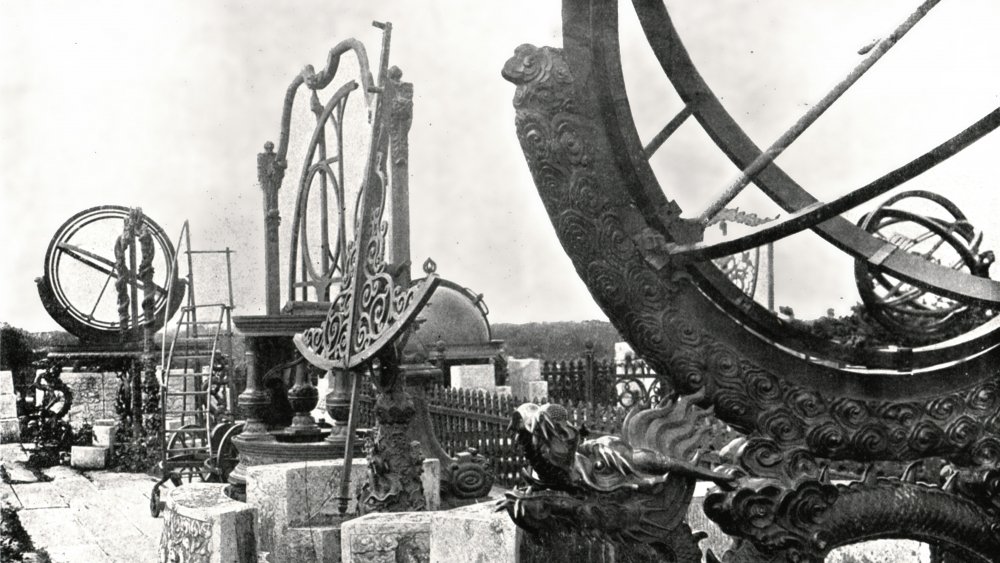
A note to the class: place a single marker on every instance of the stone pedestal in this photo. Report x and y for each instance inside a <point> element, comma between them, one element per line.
<point>470,533</point>
<point>430,479</point>
<point>388,537</point>
<point>10,429</point>
<point>296,505</point>
<point>473,533</point>
<point>525,378</point>
<point>88,457</point>
<point>297,516</point>
<point>202,524</point>
<point>532,390</point>
<point>105,431</point>
<point>482,376</point>
<point>524,369</point>
<point>623,350</point>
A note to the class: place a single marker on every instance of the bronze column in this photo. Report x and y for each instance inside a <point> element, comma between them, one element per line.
<point>270,171</point>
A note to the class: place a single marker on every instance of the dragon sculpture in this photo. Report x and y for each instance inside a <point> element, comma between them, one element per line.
<point>633,488</point>
<point>637,487</point>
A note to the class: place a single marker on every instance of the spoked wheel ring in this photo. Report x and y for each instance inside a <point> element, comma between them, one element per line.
<point>68,314</point>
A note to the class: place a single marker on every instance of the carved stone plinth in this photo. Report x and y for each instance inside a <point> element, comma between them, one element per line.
<point>202,525</point>
<point>473,533</point>
<point>298,517</point>
<point>387,537</point>
<point>298,512</point>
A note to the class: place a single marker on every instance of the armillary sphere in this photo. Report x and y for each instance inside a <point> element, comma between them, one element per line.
<point>913,313</point>
<point>803,402</point>
<point>80,286</point>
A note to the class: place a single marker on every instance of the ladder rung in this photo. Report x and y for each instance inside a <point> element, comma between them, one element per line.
<point>188,450</point>
<point>178,357</point>
<point>176,430</point>
<point>181,340</point>
<point>193,375</point>
<point>226,251</point>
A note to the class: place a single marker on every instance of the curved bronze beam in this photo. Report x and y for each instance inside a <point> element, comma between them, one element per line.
<point>773,181</point>
<point>309,170</point>
<point>663,216</point>
<point>319,81</point>
<point>810,216</point>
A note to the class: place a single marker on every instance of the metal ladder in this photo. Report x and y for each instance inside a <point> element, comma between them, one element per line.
<point>195,376</point>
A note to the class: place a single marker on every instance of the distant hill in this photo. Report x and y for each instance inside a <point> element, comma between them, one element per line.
<point>557,340</point>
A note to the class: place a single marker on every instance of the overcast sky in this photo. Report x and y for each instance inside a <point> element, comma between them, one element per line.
<point>165,106</point>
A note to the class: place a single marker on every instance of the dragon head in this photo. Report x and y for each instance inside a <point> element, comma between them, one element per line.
<point>599,482</point>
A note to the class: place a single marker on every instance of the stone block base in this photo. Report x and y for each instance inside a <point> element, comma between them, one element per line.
<point>473,533</point>
<point>430,479</point>
<point>88,457</point>
<point>317,543</point>
<point>387,537</point>
<point>104,434</point>
<point>202,524</point>
<point>524,369</point>
<point>298,500</point>
<point>531,390</point>
<point>470,533</point>
<point>298,495</point>
<point>474,377</point>
<point>10,431</point>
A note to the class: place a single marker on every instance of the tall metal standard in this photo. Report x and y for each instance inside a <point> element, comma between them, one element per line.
<point>367,322</point>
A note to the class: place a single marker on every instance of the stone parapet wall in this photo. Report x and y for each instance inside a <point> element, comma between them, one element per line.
<point>94,396</point>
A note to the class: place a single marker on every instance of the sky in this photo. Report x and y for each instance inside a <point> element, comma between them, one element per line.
<point>165,105</point>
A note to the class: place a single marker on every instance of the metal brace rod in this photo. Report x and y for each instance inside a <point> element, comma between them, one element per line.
<point>793,133</point>
<point>352,423</point>
<point>669,129</point>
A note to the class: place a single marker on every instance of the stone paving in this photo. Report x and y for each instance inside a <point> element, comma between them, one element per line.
<point>96,516</point>
<point>101,516</point>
